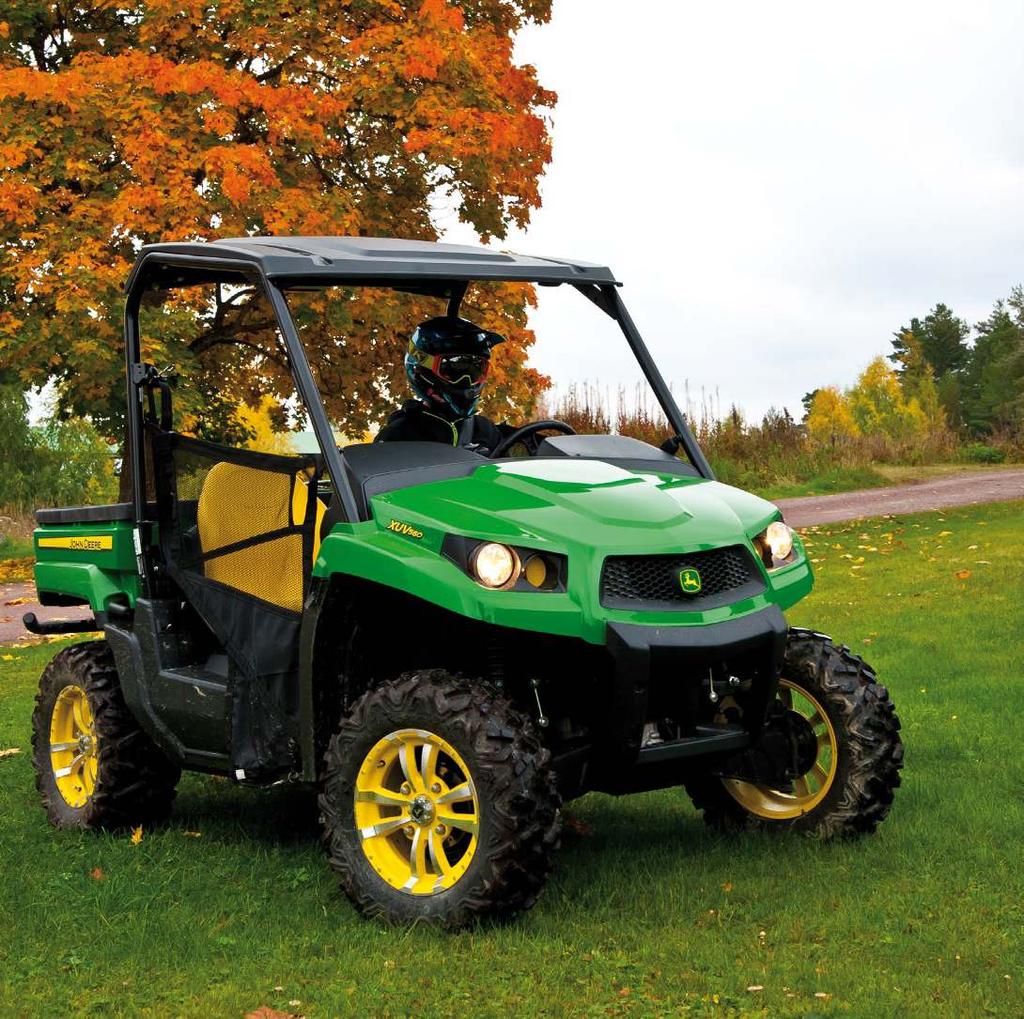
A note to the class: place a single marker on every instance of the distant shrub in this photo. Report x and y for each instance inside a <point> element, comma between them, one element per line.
<point>979,453</point>
<point>830,447</point>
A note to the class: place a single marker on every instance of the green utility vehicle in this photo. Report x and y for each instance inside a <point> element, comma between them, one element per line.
<point>447,645</point>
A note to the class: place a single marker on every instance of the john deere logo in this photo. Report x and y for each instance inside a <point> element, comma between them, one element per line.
<point>689,581</point>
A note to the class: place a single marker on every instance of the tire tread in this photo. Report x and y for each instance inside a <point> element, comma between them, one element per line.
<point>136,782</point>
<point>875,751</point>
<point>508,758</point>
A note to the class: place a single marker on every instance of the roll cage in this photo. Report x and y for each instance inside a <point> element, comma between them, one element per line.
<point>275,265</point>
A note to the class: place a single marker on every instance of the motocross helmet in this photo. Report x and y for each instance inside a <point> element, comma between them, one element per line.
<point>447,363</point>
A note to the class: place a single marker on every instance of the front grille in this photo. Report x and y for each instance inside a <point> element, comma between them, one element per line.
<point>653,582</point>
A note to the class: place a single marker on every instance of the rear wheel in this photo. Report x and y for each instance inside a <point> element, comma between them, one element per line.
<point>843,735</point>
<point>95,768</point>
<point>438,803</point>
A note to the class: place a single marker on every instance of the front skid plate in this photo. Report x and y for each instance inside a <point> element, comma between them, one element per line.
<point>633,645</point>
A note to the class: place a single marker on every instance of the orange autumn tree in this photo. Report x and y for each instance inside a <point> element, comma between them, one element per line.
<point>126,123</point>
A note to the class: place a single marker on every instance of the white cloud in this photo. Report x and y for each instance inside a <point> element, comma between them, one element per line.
<point>779,186</point>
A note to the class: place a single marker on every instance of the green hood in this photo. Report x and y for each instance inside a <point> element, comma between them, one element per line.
<point>585,509</point>
<point>567,502</point>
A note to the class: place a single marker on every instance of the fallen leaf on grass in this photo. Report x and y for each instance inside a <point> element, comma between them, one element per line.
<point>962,574</point>
<point>822,994</point>
<point>727,887</point>
<point>8,658</point>
<point>266,1012</point>
<point>136,835</point>
<point>578,826</point>
<point>756,987</point>
<point>10,752</point>
<point>195,835</point>
<point>97,874</point>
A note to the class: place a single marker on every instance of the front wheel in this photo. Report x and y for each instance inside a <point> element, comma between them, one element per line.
<point>846,751</point>
<point>438,803</point>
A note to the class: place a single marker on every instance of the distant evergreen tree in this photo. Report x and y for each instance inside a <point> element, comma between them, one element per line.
<point>917,380</point>
<point>808,401</point>
<point>994,380</point>
<point>936,343</point>
<point>989,385</point>
<point>943,339</point>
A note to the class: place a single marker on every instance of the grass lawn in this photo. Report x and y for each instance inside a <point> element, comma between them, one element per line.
<point>901,474</point>
<point>849,479</point>
<point>837,479</point>
<point>231,907</point>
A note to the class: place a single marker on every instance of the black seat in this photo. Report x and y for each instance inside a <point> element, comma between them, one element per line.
<point>377,467</point>
<point>85,514</point>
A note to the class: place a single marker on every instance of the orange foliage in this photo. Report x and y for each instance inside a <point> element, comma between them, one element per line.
<point>121,125</point>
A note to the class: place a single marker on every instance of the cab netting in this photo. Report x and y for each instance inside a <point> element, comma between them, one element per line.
<point>237,534</point>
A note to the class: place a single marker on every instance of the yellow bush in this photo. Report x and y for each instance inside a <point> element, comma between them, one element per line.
<point>830,421</point>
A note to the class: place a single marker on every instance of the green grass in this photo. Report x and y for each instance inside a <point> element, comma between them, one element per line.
<point>870,476</point>
<point>849,479</point>
<point>835,479</point>
<point>15,548</point>
<point>900,474</point>
<point>648,914</point>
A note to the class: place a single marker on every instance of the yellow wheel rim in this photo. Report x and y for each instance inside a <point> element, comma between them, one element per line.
<point>73,746</point>
<point>416,811</point>
<point>810,788</point>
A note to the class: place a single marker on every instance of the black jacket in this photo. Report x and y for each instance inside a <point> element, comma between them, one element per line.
<point>415,423</point>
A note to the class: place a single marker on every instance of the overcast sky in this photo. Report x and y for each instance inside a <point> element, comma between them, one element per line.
<point>779,186</point>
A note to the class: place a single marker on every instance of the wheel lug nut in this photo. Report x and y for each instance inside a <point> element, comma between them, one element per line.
<point>436,787</point>
<point>439,830</point>
<point>406,788</point>
<point>409,831</point>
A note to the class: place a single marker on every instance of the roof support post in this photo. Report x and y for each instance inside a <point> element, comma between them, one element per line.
<point>133,407</point>
<point>135,443</point>
<point>455,296</point>
<point>311,398</point>
<point>607,298</point>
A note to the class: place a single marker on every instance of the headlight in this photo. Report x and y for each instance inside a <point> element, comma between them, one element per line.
<point>495,565</point>
<point>779,537</point>
<point>775,545</point>
<point>501,567</point>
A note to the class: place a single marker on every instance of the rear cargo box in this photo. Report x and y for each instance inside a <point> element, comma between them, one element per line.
<point>85,555</point>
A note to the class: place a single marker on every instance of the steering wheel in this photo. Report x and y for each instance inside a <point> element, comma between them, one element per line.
<point>527,436</point>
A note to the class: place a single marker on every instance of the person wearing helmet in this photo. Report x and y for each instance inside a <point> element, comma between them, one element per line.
<point>447,364</point>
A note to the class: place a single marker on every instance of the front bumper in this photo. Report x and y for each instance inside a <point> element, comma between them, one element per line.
<point>642,652</point>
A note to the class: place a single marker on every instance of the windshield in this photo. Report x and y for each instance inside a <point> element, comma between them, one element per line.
<point>561,358</point>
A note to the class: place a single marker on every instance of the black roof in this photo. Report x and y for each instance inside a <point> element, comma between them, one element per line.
<point>295,261</point>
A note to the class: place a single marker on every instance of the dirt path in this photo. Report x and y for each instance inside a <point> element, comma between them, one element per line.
<point>13,605</point>
<point>953,490</point>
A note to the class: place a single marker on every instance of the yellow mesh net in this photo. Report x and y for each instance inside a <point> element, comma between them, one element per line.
<point>239,503</point>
